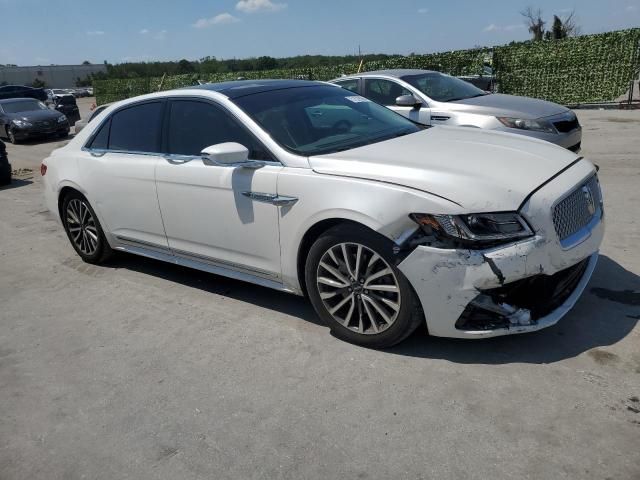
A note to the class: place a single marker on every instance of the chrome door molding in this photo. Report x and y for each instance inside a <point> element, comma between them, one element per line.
<point>274,199</point>
<point>136,246</point>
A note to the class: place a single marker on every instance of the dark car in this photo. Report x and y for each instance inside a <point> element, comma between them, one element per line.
<point>21,91</point>
<point>5,166</point>
<point>67,105</point>
<point>22,118</point>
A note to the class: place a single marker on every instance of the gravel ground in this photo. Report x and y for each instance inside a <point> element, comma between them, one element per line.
<point>146,370</point>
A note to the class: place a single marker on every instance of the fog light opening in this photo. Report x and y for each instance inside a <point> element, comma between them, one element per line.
<point>516,316</point>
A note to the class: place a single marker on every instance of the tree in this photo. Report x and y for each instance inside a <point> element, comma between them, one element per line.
<point>570,25</point>
<point>37,83</point>
<point>86,62</point>
<point>535,24</point>
<point>266,63</point>
<point>561,27</point>
<point>185,66</point>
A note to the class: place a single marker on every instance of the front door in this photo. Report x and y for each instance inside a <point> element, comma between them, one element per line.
<point>216,214</point>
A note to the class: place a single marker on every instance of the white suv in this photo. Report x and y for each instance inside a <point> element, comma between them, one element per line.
<point>308,188</point>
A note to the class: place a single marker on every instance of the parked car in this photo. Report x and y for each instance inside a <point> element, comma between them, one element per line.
<point>82,93</point>
<point>308,188</point>
<point>54,94</point>
<point>67,104</point>
<point>433,98</point>
<point>21,91</point>
<point>22,118</point>
<point>5,166</point>
<point>80,124</point>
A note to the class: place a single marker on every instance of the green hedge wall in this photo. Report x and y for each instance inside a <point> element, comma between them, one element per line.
<point>589,68</point>
<point>586,69</point>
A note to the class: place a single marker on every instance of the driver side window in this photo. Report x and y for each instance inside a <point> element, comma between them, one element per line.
<point>383,91</point>
<point>195,125</point>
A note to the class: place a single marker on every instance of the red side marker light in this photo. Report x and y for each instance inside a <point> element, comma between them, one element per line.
<point>43,169</point>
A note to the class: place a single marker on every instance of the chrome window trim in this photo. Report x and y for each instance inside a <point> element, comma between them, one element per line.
<point>108,118</point>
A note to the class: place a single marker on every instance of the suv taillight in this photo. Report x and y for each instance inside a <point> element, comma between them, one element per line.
<point>43,169</point>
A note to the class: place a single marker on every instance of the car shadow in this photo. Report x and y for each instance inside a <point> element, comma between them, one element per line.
<point>605,314</point>
<point>228,287</point>
<point>602,316</point>
<point>16,183</point>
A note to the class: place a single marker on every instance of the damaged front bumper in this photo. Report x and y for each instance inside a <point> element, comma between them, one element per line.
<point>522,287</point>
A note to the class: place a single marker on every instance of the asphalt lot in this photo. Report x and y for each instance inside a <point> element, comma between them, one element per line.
<point>144,370</point>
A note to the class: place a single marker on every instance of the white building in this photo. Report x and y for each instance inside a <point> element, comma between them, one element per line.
<point>54,76</point>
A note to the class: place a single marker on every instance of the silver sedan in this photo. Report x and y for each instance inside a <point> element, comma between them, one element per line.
<point>433,98</point>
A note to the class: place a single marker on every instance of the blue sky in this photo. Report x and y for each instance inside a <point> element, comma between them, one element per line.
<point>62,31</point>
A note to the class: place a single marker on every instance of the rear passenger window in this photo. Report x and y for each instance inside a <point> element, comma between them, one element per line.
<point>136,129</point>
<point>351,85</point>
<point>101,139</point>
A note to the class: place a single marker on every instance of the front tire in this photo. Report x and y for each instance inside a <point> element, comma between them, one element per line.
<point>12,136</point>
<point>84,230</point>
<point>355,287</point>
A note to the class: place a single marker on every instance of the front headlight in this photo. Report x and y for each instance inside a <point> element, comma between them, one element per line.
<point>21,123</point>
<point>62,118</point>
<point>526,124</point>
<point>476,230</point>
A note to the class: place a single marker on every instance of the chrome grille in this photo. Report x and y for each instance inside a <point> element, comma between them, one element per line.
<point>574,212</point>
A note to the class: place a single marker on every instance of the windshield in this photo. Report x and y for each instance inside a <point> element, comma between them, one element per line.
<point>26,105</point>
<point>443,88</point>
<point>323,119</point>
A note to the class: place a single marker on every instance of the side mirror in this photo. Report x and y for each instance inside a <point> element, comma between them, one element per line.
<point>230,154</point>
<point>408,101</point>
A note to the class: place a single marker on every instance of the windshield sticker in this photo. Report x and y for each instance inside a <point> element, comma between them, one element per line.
<point>357,99</point>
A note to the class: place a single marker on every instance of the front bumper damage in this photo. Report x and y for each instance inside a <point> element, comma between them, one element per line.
<point>515,288</point>
<point>455,286</point>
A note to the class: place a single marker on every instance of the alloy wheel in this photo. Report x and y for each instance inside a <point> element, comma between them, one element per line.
<point>82,227</point>
<point>358,288</point>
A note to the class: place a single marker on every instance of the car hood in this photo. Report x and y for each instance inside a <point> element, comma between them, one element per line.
<point>480,170</point>
<point>35,115</point>
<point>497,104</point>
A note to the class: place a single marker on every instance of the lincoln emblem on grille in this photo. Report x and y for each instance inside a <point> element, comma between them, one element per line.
<point>588,197</point>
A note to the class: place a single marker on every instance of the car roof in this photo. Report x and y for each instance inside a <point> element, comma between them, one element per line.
<point>18,99</point>
<point>240,88</point>
<point>396,72</point>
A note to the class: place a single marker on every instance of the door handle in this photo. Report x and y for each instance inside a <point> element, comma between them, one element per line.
<point>272,198</point>
<point>178,159</point>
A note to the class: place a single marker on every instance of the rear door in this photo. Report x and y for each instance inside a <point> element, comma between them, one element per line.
<point>119,166</point>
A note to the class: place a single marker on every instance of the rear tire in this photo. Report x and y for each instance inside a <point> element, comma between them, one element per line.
<point>84,230</point>
<point>355,287</point>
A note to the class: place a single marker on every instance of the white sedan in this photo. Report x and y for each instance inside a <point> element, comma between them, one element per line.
<point>311,189</point>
